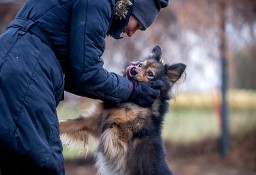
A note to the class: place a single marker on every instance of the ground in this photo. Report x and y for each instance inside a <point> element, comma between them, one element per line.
<point>202,158</point>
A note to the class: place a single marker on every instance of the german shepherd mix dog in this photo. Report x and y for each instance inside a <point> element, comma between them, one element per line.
<point>130,141</point>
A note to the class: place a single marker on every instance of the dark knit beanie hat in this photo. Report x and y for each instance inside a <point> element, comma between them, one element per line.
<point>146,11</point>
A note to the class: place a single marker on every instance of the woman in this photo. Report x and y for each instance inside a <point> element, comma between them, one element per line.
<point>47,40</point>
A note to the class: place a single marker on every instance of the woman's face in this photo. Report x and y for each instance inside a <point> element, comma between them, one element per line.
<point>132,26</point>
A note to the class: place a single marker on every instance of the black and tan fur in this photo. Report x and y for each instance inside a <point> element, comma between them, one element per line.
<point>130,141</point>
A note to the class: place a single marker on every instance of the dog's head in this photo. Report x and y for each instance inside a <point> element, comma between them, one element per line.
<point>152,68</point>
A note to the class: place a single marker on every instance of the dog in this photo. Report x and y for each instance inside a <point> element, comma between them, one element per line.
<point>130,141</point>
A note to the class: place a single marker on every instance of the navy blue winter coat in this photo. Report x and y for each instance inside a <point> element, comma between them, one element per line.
<point>47,39</point>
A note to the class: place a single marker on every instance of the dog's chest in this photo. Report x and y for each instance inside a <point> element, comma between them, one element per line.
<point>110,166</point>
<point>119,124</point>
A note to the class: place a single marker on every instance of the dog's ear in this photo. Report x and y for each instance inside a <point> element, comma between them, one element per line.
<point>174,72</point>
<point>157,53</point>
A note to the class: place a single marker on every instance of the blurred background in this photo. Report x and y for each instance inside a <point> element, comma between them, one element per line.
<point>211,126</point>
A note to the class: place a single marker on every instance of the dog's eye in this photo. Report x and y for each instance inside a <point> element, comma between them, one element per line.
<point>150,74</point>
<point>139,65</point>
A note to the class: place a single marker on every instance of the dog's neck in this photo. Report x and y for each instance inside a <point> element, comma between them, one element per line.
<point>159,107</point>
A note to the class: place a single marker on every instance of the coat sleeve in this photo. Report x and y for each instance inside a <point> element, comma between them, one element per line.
<point>85,75</point>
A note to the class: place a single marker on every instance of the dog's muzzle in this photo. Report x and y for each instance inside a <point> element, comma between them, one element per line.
<point>131,71</point>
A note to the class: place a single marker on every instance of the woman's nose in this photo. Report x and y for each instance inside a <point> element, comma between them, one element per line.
<point>130,33</point>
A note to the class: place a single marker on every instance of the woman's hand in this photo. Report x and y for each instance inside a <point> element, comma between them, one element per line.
<point>145,93</point>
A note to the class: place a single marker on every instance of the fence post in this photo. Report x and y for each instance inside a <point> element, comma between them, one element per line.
<point>224,80</point>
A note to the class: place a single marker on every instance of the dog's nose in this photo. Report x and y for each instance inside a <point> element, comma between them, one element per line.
<point>134,71</point>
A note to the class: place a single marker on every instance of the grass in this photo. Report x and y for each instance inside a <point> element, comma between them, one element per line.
<point>242,121</point>
<point>191,125</point>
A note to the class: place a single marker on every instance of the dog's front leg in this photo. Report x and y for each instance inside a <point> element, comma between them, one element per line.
<point>89,124</point>
<point>75,132</point>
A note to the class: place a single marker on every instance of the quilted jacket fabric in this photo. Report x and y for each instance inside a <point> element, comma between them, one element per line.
<point>47,40</point>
